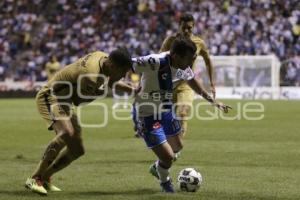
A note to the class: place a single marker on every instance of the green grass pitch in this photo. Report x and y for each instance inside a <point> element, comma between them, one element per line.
<point>238,159</point>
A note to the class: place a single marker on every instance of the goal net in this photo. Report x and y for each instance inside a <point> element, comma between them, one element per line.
<point>237,75</point>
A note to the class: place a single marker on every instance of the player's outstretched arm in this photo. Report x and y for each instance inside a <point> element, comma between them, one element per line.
<point>209,67</point>
<point>197,87</point>
<point>210,71</point>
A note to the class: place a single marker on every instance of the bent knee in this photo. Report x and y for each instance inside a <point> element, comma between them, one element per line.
<point>167,161</point>
<point>178,147</point>
<point>67,133</point>
<point>183,113</point>
<point>70,132</point>
<point>77,152</point>
<point>80,152</point>
<point>74,144</point>
<point>184,110</point>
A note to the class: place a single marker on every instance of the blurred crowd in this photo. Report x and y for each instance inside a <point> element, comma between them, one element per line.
<point>31,31</point>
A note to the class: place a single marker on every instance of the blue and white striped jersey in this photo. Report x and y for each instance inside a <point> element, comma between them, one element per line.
<point>157,81</point>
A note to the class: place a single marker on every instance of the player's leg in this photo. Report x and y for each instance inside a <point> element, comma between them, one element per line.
<point>70,132</point>
<point>182,111</point>
<point>155,139</point>
<point>172,130</point>
<point>165,156</point>
<point>135,121</point>
<point>51,152</point>
<point>66,136</point>
<point>176,145</point>
<point>175,142</point>
<point>184,101</point>
<point>55,114</point>
<point>44,102</point>
<point>49,163</point>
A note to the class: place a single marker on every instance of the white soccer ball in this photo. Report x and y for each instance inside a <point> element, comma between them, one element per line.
<point>189,180</point>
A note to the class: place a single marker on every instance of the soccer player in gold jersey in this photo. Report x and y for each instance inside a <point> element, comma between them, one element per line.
<point>77,83</point>
<point>183,95</point>
<point>52,67</point>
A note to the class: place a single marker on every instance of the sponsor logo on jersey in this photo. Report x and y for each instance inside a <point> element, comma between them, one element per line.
<point>186,74</point>
<point>156,125</point>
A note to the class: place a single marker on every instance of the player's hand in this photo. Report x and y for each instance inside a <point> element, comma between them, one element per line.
<point>213,90</point>
<point>223,107</point>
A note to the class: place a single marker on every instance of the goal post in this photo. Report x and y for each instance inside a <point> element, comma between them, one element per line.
<point>243,71</point>
<point>238,75</point>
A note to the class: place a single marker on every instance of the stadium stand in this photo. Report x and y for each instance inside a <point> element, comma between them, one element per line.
<point>31,31</point>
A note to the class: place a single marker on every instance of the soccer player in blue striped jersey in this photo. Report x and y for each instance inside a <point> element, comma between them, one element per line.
<point>153,105</point>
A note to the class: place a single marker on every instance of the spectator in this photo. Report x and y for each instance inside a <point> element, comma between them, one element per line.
<point>72,28</point>
<point>52,67</point>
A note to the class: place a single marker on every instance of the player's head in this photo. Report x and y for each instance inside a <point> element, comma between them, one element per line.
<point>183,53</point>
<point>53,58</point>
<point>186,25</point>
<point>121,63</point>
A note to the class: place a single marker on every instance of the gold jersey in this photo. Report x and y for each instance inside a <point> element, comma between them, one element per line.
<point>52,68</point>
<point>83,73</point>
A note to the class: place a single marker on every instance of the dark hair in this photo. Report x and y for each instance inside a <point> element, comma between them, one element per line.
<point>182,46</point>
<point>121,58</point>
<point>186,18</point>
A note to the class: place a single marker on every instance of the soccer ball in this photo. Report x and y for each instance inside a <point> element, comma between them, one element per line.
<point>189,180</point>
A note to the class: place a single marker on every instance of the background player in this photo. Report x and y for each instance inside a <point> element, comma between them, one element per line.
<point>52,66</point>
<point>183,94</point>
<point>153,105</point>
<point>55,100</point>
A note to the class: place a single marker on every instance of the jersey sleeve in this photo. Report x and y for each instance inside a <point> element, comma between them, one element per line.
<point>201,46</point>
<point>167,43</point>
<point>145,63</point>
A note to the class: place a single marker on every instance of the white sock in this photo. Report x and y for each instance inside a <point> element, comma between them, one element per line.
<point>162,173</point>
